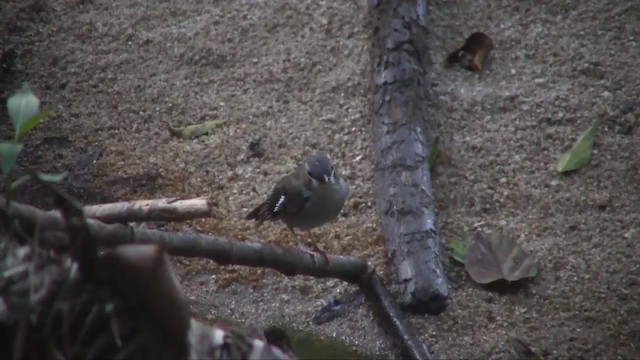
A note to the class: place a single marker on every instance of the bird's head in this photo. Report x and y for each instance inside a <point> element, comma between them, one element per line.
<point>320,168</point>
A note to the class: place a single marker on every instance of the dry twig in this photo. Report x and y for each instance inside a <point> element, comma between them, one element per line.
<point>169,209</point>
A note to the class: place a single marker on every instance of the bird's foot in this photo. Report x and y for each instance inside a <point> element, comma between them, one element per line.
<point>315,250</point>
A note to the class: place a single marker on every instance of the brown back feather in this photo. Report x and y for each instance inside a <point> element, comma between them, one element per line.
<point>264,211</point>
<point>261,213</point>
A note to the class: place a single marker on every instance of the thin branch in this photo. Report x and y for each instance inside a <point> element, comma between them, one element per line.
<point>169,209</point>
<point>393,319</point>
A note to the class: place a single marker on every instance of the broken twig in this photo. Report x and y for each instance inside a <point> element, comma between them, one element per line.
<point>169,209</point>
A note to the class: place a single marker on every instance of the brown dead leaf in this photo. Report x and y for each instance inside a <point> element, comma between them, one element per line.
<point>473,53</point>
<point>498,257</point>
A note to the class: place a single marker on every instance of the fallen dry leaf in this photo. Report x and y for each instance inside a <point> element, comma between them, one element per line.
<point>497,257</point>
<point>473,54</point>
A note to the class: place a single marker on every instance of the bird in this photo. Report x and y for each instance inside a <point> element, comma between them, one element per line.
<point>311,196</point>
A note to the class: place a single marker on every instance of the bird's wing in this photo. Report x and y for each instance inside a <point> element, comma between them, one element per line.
<point>286,198</point>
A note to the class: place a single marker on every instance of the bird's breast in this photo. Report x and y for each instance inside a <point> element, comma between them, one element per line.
<point>324,205</point>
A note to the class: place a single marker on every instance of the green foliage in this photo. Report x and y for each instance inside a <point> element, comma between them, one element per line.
<point>309,345</point>
<point>458,250</point>
<point>52,178</point>
<point>580,154</point>
<point>194,131</point>
<point>21,180</point>
<point>8,155</point>
<point>55,178</point>
<point>30,123</point>
<point>24,112</point>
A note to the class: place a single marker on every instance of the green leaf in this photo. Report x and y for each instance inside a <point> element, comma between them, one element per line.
<point>23,179</point>
<point>30,123</point>
<point>193,131</point>
<point>22,106</point>
<point>56,178</point>
<point>580,154</point>
<point>458,250</point>
<point>8,156</point>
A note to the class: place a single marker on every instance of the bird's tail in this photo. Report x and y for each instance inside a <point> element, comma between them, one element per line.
<point>261,213</point>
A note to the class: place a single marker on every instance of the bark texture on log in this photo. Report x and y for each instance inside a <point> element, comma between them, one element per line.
<point>400,128</point>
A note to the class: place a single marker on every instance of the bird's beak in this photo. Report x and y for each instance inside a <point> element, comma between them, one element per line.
<point>326,179</point>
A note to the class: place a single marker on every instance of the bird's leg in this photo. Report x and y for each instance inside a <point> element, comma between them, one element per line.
<point>313,241</point>
<point>313,249</point>
<point>314,246</point>
<point>300,246</point>
<point>295,236</point>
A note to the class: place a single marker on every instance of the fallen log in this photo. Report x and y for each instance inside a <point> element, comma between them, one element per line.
<point>400,133</point>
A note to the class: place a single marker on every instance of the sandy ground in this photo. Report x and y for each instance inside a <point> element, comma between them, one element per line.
<point>295,74</point>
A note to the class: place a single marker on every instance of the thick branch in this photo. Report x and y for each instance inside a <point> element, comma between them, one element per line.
<point>287,261</point>
<point>170,209</point>
<point>400,128</point>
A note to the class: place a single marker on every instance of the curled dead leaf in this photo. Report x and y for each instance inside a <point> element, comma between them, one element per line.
<point>473,53</point>
<point>492,258</point>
